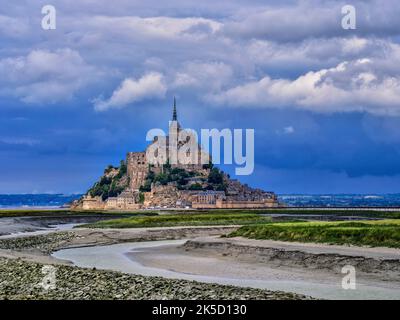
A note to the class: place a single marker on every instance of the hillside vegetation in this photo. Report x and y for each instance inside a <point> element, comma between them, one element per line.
<point>181,177</point>
<point>112,183</point>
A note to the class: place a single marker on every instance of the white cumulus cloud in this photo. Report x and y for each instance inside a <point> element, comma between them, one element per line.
<point>203,75</point>
<point>150,85</point>
<point>44,76</point>
<point>365,85</point>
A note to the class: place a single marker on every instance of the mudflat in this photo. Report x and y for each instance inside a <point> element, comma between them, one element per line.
<point>306,269</point>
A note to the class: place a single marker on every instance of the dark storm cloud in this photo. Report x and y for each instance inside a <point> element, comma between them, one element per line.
<point>321,99</point>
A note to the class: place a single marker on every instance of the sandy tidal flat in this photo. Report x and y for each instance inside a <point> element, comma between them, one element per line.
<point>180,259</point>
<point>281,270</point>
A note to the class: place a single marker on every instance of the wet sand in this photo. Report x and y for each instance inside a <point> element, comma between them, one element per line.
<point>317,283</point>
<point>170,259</point>
<point>34,225</point>
<point>199,253</point>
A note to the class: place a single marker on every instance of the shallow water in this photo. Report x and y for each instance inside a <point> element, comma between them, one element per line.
<point>121,257</point>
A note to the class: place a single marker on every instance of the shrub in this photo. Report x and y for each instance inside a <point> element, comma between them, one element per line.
<point>195,186</point>
<point>215,176</point>
<point>141,197</point>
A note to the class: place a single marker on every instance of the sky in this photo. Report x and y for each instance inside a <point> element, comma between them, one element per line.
<point>324,101</point>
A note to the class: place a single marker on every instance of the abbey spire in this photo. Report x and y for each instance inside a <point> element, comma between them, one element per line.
<point>174,116</point>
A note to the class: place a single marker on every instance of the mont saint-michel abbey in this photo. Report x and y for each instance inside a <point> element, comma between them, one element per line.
<point>173,172</point>
<point>138,162</point>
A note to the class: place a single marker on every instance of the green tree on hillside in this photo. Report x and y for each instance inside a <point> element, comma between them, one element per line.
<point>215,176</point>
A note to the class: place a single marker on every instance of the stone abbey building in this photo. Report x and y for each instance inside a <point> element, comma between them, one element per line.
<point>194,161</point>
<point>138,165</point>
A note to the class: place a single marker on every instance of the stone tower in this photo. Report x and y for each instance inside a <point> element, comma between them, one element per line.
<point>137,169</point>
<point>138,165</point>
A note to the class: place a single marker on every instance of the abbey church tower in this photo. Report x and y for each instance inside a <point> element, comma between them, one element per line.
<point>138,165</point>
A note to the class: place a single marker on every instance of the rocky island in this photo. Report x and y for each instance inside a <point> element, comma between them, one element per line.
<point>138,183</point>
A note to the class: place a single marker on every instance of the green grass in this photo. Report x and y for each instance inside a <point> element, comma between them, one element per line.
<point>385,233</point>
<point>67,212</point>
<point>186,219</point>
<point>30,212</point>
<point>331,212</point>
<point>336,212</point>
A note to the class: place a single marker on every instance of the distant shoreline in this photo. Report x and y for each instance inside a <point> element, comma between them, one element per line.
<point>292,201</point>
<point>272,210</point>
